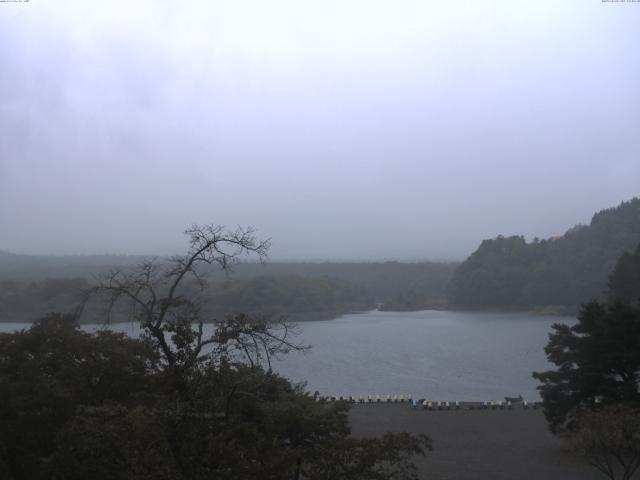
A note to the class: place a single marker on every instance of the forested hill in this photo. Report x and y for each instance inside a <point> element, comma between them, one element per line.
<point>508,272</point>
<point>624,281</point>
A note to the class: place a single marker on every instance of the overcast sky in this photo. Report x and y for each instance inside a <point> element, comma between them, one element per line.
<point>340,129</point>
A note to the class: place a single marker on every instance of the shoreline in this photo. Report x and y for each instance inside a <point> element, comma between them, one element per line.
<point>544,311</point>
<point>328,316</point>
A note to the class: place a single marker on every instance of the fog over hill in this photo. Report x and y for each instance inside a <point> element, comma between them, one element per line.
<point>562,271</point>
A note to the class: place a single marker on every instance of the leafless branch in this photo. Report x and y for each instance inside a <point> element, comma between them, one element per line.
<point>154,291</point>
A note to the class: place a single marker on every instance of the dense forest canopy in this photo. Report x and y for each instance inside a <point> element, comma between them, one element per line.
<point>624,281</point>
<point>296,297</point>
<point>509,272</point>
<point>31,286</point>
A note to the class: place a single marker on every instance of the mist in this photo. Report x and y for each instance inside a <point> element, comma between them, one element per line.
<point>342,130</point>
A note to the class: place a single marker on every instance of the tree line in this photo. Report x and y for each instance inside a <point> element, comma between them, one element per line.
<point>293,296</point>
<point>31,286</point>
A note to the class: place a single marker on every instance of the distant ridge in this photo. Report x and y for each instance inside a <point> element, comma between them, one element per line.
<point>560,272</point>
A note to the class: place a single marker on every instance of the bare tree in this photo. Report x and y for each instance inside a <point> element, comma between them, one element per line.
<point>157,294</point>
<point>254,340</point>
<point>609,440</point>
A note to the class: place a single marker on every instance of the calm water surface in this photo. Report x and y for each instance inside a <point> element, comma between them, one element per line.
<point>431,354</point>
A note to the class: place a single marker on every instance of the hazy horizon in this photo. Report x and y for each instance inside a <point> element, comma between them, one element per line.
<point>283,259</point>
<point>341,130</point>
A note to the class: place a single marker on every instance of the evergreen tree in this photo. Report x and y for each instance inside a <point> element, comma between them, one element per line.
<point>624,282</point>
<point>598,362</point>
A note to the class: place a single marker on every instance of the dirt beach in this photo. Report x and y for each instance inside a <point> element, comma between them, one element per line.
<point>477,444</point>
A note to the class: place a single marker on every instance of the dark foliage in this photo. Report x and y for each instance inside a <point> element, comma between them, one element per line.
<point>25,301</point>
<point>293,296</point>
<point>598,362</point>
<point>176,404</point>
<point>298,297</point>
<point>372,459</point>
<point>47,371</point>
<point>624,282</point>
<point>509,272</point>
<point>79,405</point>
<point>598,358</point>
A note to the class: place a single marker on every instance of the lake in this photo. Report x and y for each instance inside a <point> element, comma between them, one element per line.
<point>441,355</point>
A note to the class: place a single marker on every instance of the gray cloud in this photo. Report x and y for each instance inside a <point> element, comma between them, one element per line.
<point>340,129</point>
